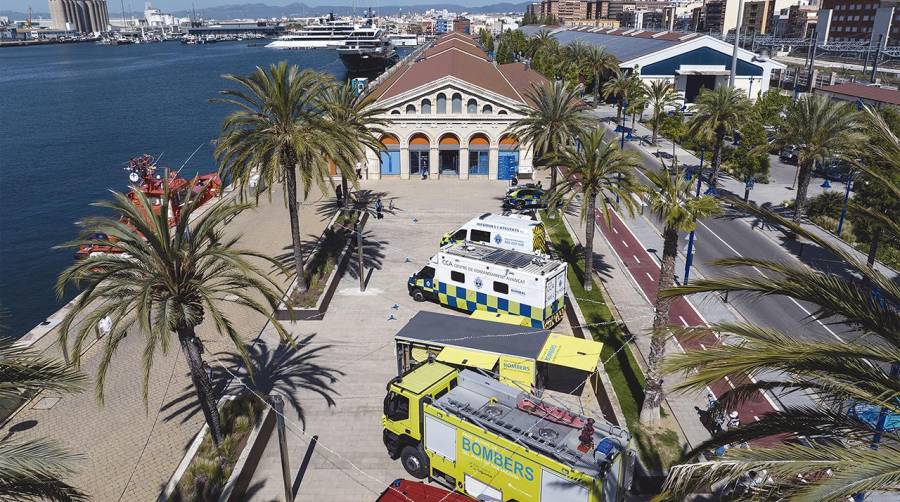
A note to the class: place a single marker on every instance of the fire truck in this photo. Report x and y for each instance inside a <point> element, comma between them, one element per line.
<point>493,442</point>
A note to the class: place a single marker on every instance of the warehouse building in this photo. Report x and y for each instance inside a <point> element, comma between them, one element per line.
<point>691,60</point>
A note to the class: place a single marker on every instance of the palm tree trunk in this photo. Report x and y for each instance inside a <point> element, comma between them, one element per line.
<point>587,283</point>
<point>553,179</point>
<point>653,394</point>
<point>597,90</point>
<point>655,129</point>
<point>803,178</point>
<point>345,190</point>
<point>619,112</point>
<point>205,396</point>
<point>295,225</point>
<point>873,247</point>
<point>717,159</point>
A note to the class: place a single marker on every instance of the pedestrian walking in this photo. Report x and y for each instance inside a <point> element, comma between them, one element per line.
<point>339,192</point>
<point>733,421</point>
<point>378,208</point>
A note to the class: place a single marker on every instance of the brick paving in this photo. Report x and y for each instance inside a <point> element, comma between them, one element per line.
<point>111,437</point>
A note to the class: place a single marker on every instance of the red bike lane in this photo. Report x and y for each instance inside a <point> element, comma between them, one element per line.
<point>645,272</point>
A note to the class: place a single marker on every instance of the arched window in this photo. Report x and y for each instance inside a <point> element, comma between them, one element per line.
<point>441,103</point>
<point>395,112</point>
<point>487,109</point>
<point>472,107</point>
<point>456,107</point>
<point>501,112</point>
<point>426,106</point>
<point>410,109</point>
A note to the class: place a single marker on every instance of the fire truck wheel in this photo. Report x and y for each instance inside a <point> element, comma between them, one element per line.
<point>415,462</point>
<point>418,295</point>
<point>520,205</point>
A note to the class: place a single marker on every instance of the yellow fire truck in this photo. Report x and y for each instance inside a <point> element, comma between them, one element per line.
<point>496,443</point>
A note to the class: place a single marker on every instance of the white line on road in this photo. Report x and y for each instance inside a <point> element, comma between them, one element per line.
<point>765,394</point>
<point>686,325</point>
<point>624,243</point>
<point>636,258</point>
<point>614,230</point>
<point>703,346</point>
<point>649,276</point>
<point>756,418</point>
<point>760,272</point>
<point>729,381</point>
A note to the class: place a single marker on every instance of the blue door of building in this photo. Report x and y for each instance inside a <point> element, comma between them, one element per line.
<point>508,164</point>
<point>390,162</point>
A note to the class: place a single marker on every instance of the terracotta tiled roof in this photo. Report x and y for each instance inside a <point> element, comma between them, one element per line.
<point>455,55</point>
<point>880,94</point>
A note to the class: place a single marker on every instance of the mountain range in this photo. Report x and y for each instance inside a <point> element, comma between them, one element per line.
<point>297,9</point>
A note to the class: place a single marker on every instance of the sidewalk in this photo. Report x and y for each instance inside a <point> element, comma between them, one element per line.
<point>774,193</point>
<point>131,450</point>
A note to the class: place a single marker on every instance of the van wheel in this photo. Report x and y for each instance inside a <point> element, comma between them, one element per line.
<point>418,295</point>
<point>415,462</point>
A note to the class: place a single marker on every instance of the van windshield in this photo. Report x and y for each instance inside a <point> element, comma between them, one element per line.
<point>396,406</point>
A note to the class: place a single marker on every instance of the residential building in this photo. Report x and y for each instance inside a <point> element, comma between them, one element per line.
<point>449,114</point>
<point>721,16</point>
<point>85,16</point>
<point>691,61</point>
<point>801,21</point>
<point>442,25</point>
<point>865,21</point>
<point>462,25</point>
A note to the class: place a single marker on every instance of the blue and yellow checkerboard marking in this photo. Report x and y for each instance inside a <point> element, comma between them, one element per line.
<point>469,301</point>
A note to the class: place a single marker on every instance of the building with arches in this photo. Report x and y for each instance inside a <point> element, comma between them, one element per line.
<point>449,114</point>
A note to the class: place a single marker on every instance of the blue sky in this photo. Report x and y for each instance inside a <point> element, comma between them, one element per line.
<point>169,5</point>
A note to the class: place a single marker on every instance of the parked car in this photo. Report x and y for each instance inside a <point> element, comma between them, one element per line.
<point>833,169</point>
<point>789,154</point>
<point>524,198</point>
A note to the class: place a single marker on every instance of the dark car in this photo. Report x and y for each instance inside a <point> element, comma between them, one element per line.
<point>833,169</point>
<point>788,155</point>
<point>524,198</point>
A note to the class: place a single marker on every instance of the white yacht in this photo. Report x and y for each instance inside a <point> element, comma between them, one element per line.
<point>367,49</point>
<point>328,35</point>
<point>405,40</point>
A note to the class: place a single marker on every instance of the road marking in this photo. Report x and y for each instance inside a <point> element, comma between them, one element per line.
<point>649,276</point>
<point>624,243</point>
<point>703,346</point>
<point>765,395</point>
<point>756,418</point>
<point>686,325</point>
<point>614,230</point>
<point>795,302</point>
<point>636,258</point>
<point>729,381</point>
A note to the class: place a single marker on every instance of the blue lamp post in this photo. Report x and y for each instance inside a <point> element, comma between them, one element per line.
<point>689,260</point>
<point>849,183</point>
<point>622,141</point>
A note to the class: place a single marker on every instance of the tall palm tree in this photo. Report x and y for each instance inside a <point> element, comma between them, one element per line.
<point>599,62</point>
<point>554,116</point>
<point>720,111</point>
<point>356,115</point>
<point>164,284</point>
<point>670,197</point>
<point>34,469</point>
<point>618,87</point>
<point>819,128</point>
<point>280,134</point>
<point>542,39</point>
<point>841,461</point>
<point>596,168</point>
<point>660,94</point>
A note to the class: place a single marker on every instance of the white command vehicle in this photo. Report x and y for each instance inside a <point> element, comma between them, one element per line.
<point>468,276</point>
<point>515,232</point>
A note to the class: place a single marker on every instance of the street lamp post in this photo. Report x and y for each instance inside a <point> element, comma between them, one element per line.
<point>622,141</point>
<point>689,260</point>
<point>846,200</point>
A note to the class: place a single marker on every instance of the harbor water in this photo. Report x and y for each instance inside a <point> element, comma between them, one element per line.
<point>72,116</point>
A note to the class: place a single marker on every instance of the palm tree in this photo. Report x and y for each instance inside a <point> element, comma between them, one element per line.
<point>555,114</point>
<point>279,133</point>
<point>618,87</point>
<point>670,198</point>
<point>356,115</point>
<point>34,469</point>
<point>599,62</point>
<point>165,283</point>
<point>819,128</point>
<point>597,168</point>
<point>660,94</point>
<point>720,111</point>
<point>637,103</point>
<point>842,461</point>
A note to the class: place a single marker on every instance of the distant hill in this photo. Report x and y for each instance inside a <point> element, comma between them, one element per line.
<point>296,9</point>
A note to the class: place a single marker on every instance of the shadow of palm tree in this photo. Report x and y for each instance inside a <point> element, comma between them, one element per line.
<point>307,248</point>
<point>285,369</point>
<point>360,200</point>
<point>373,254</point>
<point>574,255</point>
